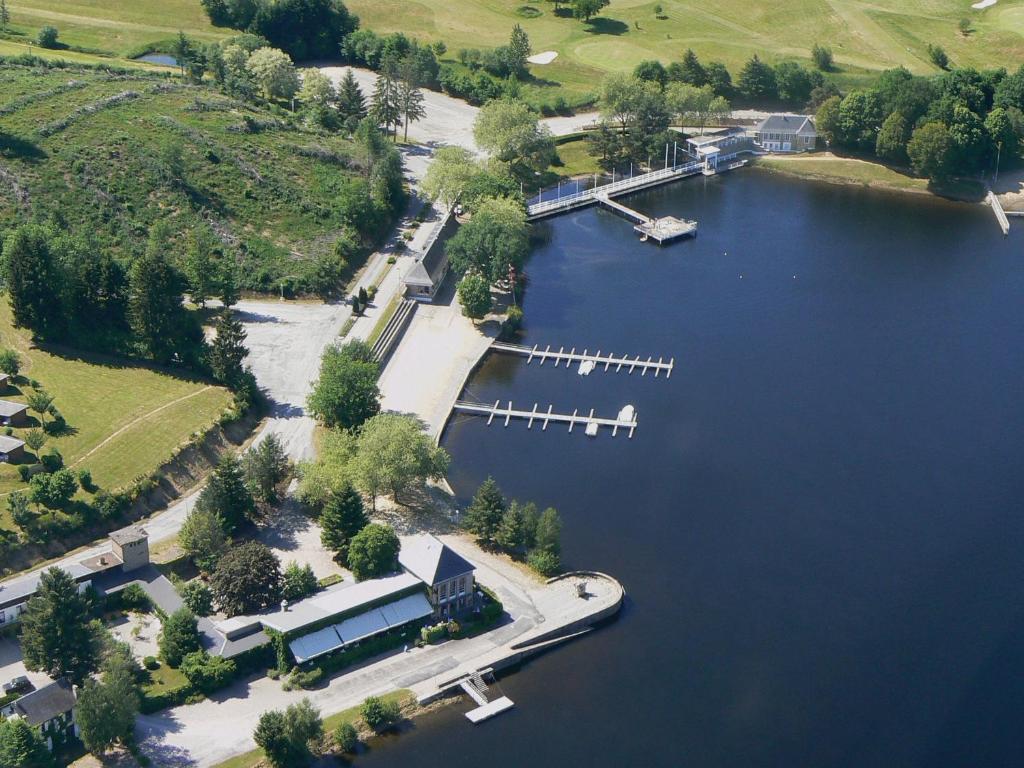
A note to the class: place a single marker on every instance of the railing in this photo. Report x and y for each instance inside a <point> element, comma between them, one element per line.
<point>632,182</point>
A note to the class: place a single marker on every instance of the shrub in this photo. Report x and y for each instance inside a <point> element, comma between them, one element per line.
<point>379,714</point>
<point>346,738</point>
<point>47,37</point>
<point>85,480</point>
<point>299,581</point>
<point>307,679</point>
<point>433,634</point>
<point>938,56</point>
<point>545,563</point>
<point>52,460</point>
<point>24,472</point>
<point>151,663</point>
<point>207,673</point>
<point>134,598</point>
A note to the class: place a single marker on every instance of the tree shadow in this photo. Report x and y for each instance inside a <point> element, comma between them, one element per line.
<point>605,26</point>
<point>60,429</point>
<point>17,147</point>
<point>563,13</point>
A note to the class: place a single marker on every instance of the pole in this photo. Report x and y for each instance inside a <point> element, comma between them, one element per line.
<point>999,151</point>
<point>675,151</point>
<point>559,189</point>
<point>666,154</point>
<point>631,169</point>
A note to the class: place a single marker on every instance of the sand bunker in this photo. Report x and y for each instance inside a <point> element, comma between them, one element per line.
<point>548,56</point>
<point>983,4</point>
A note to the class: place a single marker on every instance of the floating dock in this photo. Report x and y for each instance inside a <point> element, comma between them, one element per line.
<point>477,690</point>
<point>595,359</point>
<point>626,418</point>
<point>663,230</point>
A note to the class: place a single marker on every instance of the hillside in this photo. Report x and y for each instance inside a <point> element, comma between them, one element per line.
<point>109,154</point>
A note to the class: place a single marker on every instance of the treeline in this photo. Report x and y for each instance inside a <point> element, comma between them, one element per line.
<point>959,123</point>
<point>304,29</point>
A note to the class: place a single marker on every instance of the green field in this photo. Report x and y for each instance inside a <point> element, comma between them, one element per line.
<point>178,153</point>
<point>123,421</point>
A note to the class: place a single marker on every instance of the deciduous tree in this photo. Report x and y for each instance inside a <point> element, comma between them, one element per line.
<point>394,454</point>
<point>346,393</point>
<point>493,240</point>
<point>247,579</point>
<point>373,552</point>
<point>475,295</point>
<point>202,537</point>
<point>511,132</point>
<point>179,636</point>
<point>274,72</point>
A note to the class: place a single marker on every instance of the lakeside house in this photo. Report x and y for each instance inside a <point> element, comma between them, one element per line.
<point>447,574</point>
<point>424,279</point>
<point>787,133</point>
<point>13,414</point>
<point>50,710</point>
<point>11,449</point>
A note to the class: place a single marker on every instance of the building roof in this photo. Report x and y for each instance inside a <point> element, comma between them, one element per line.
<point>432,561</point>
<point>22,588</point>
<point>10,408</point>
<point>8,444</point>
<point>418,275</point>
<point>128,535</point>
<point>46,703</point>
<point>787,124</point>
<point>338,600</point>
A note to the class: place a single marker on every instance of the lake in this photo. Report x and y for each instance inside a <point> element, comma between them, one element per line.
<point>818,521</point>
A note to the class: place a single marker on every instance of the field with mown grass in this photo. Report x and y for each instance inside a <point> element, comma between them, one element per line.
<point>122,421</point>
<point>110,154</point>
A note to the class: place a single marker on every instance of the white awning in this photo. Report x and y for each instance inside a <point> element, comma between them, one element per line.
<point>407,609</point>
<point>363,625</point>
<point>315,644</point>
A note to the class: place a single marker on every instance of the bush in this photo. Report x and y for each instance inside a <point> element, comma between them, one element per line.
<point>346,738</point>
<point>52,460</point>
<point>85,480</point>
<point>379,714</point>
<point>134,598</point>
<point>150,663</point>
<point>207,673</point>
<point>47,37</point>
<point>434,634</point>
<point>545,563</point>
<point>307,679</point>
<point>24,472</point>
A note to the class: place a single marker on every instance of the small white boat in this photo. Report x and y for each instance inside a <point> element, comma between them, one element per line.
<point>628,413</point>
<point>586,366</point>
<point>591,429</point>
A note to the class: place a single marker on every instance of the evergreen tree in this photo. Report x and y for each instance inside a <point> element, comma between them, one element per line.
<point>202,537</point>
<point>299,581</point>
<point>229,283</point>
<point>56,637</point>
<point>757,80</point>
<point>158,320</point>
<point>519,50</point>
<point>351,103</point>
<point>200,268</point>
<point>5,15</point>
<point>342,518</point>
<point>549,532</point>
<point>179,637</point>
<point>227,494</point>
<point>20,511</point>
<point>33,280</point>
<point>485,513</point>
<point>266,467</point>
<point>385,107</point>
<point>227,350</point>
<point>691,71</point>
<point>410,97</point>
<point>511,534</point>
<point>21,745</point>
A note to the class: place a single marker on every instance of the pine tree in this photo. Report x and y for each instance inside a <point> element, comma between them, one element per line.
<point>511,535</point>
<point>384,106</point>
<point>410,97</point>
<point>343,517</point>
<point>200,267</point>
<point>229,283</point>
<point>55,634</point>
<point>549,532</point>
<point>519,46</point>
<point>692,71</point>
<point>227,350</point>
<point>351,103</point>
<point>32,280</point>
<point>155,311</point>
<point>21,746</point>
<point>485,513</point>
<point>5,15</point>
<point>227,495</point>
<point>266,467</point>
<point>202,537</point>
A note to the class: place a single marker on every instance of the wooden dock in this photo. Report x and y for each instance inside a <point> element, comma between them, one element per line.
<point>591,423</point>
<point>997,208</point>
<point>572,356</point>
<point>663,230</point>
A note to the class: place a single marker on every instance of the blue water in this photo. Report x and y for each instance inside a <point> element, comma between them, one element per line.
<point>818,521</point>
<point>159,58</point>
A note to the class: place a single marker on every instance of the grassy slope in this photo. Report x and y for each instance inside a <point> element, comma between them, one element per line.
<point>107,172</point>
<point>124,421</point>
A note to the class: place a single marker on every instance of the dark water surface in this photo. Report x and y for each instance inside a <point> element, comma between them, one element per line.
<point>818,521</point>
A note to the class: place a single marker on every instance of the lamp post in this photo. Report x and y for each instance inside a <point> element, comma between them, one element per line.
<point>999,152</point>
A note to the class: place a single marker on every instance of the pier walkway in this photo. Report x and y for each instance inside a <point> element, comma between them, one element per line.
<point>626,418</point>
<point>997,208</point>
<point>572,356</point>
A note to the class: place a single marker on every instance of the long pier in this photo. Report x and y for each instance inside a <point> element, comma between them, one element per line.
<point>997,208</point>
<point>625,420</point>
<point>572,356</point>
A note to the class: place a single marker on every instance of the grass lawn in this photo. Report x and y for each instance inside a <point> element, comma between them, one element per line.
<point>331,722</point>
<point>575,159</point>
<point>123,421</point>
<point>844,170</point>
<point>163,678</point>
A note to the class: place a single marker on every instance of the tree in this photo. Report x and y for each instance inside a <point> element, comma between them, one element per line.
<point>795,83</point>
<point>394,454</point>
<point>972,145</point>
<point>10,362</point>
<point>379,714</point>
<point>266,467</point>
<point>512,530</point>
<point>47,37</point>
<point>587,9</point>
<point>822,57</point>
<point>179,637</point>
<point>373,552</point>
<point>247,579</point>
<point>485,513</point>
<point>719,78</point>
<point>107,707</point>
<point>229,283</point>
<point>299,581</point>
<point>519,47</point>
<point>183,51</point>
<point>286,737</point>
<point>449,174</point>
<point>159,322</point>
<point>5,15</point>
<point>385,108</point>
<point>317,89</point>
<point>826,120</point>
<point>1010,91</point>
<point>549,532</point>
<point>342,518</point>
<point>207,673</point>
<point>346,738</point>
<point>53,490</point>
<point>197,597</point>
<point>892,138</point>
<point>227,350</point>
<point>495,239</point>
<point>938,56</point>
<point>475,295</point>
<point>930,150</point>
<point>651,71</point>
<point>858,120</point>
<point>757,80</point>
<point>271,735</point>
<point>511,132</point>
<point>35,439</point>
<point>274,72</point>
<point>39,400</point>
<point>410,97</point>
<point>351,102</point>
<point>689,70</point>
<point>20,512</point>
<point>32,280</point>
<point>1005,126</point>
<point>200,268</point>
<point>227,495</point>
<point>202,537</point>
<point>346,393</point>
<point>55,634</point>
<point>21,745</point>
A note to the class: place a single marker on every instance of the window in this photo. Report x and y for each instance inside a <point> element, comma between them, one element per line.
<point>462,585</point>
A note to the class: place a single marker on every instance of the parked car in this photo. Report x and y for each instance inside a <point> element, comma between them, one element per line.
<point>20,683</point>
